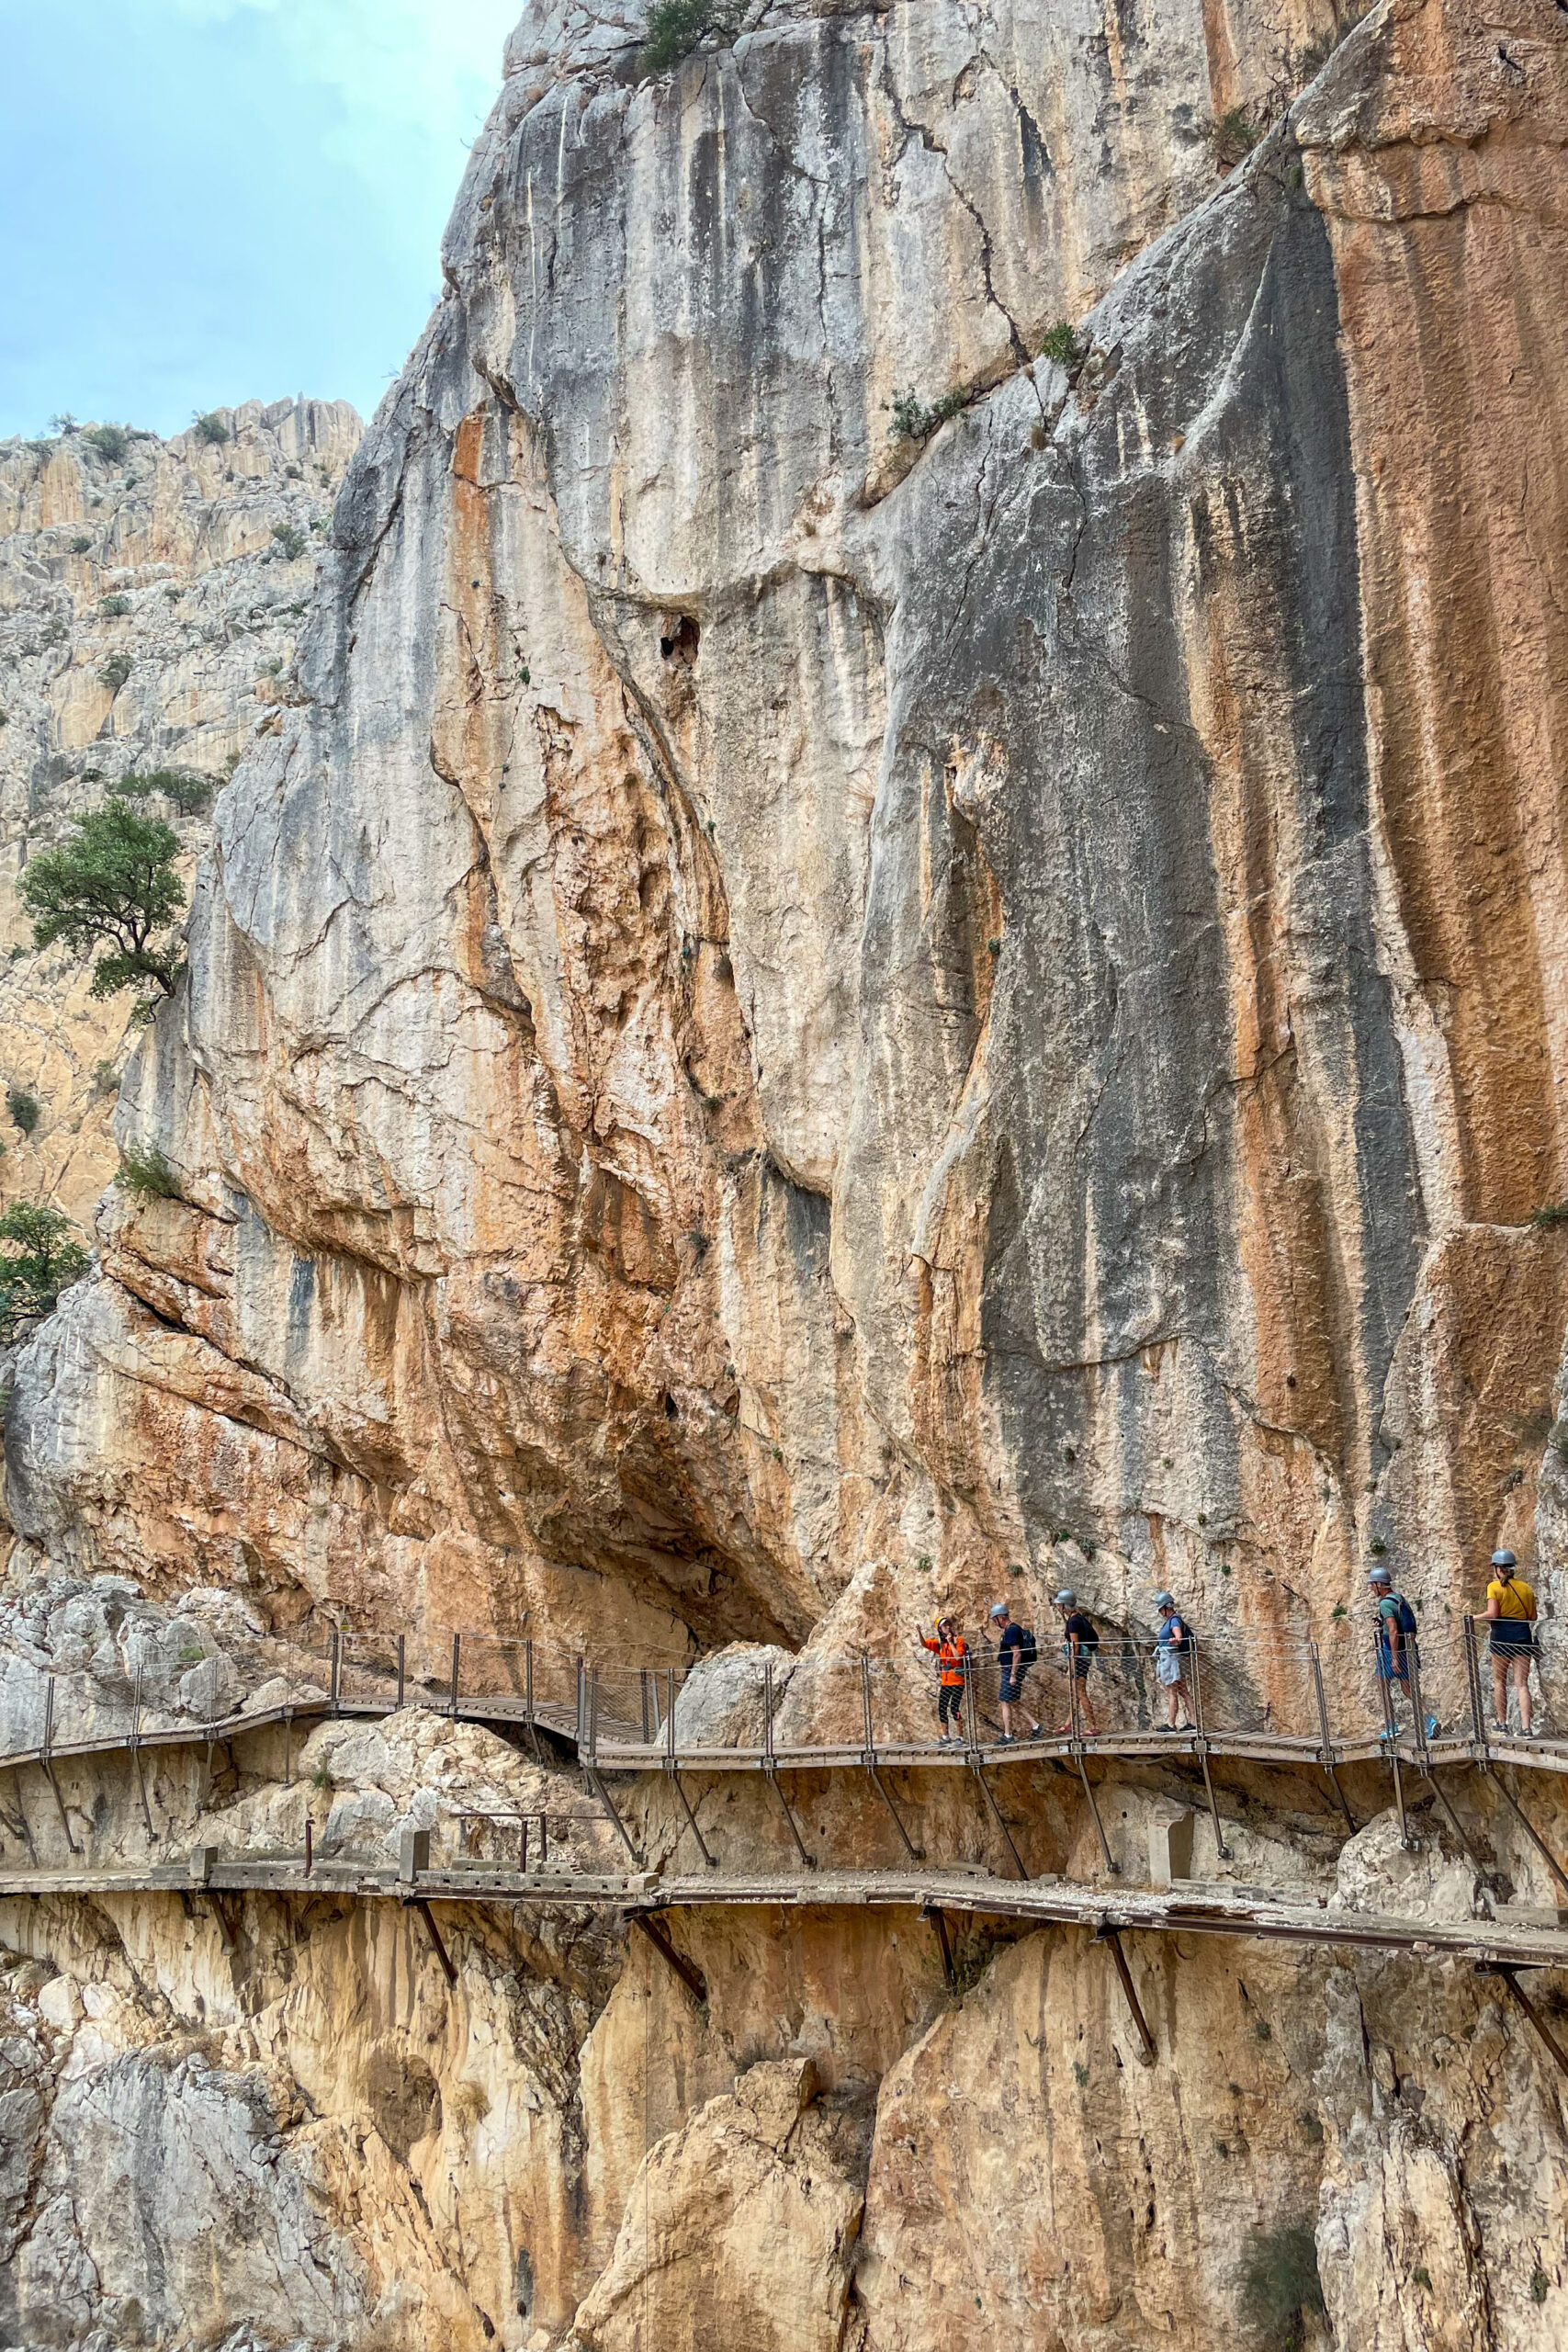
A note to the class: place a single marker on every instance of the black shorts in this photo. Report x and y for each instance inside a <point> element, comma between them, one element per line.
<point>1511,1638</point>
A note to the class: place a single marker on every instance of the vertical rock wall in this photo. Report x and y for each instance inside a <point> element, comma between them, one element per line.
<point>149,606</point>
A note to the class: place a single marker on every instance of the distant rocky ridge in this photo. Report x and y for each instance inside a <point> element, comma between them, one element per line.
<point>150,597</point>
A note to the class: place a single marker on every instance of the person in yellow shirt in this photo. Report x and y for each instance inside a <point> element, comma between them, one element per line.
<point>1510,1611</point>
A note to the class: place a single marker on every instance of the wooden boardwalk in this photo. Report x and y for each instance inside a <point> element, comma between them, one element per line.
<point>1292,1916</point>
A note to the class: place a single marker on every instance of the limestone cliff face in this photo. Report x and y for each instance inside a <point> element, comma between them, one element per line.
<point>796,1015</point>
<point>786,997</point>
<point>148,614</point>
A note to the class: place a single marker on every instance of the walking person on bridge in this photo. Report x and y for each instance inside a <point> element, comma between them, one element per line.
<point>1080,1649</point>
<point>1397,1649</point>
<point>1016,1653</point>
<point>1173,1648</point>
<point>1511,1612</point>
<point>953,1662</point>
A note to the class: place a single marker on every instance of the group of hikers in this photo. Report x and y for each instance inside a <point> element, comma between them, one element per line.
<point>1510,1615</point>
<point>1017,1651</point>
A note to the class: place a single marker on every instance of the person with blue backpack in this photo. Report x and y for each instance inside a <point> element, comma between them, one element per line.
<point>1396,1647</point>
<point>1173,1649</point>
<point>1017,1651</point>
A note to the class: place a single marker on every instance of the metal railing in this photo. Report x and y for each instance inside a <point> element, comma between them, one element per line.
<point>1247,1690</point>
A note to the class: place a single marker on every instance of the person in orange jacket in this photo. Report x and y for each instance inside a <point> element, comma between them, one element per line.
<point>953,1657</point>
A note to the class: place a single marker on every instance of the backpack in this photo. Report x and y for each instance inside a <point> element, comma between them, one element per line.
<point>1028,1648</point>
<point>1408,1624</point>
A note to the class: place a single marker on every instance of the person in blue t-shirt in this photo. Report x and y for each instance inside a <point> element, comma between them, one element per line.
<point>1016,1653</point>
<point>1397,1648</point>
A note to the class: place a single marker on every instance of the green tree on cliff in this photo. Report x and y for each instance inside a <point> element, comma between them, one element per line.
<point>38,1263</point>
<point>112,885</point>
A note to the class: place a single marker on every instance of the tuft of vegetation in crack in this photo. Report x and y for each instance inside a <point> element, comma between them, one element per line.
<point>1281,2290</point>
<point>1060,345</point>
<point>913,420</point>
<point>146,1175</point>
<point>24,1108</point>
<point>1234,135</point>
<point>676,26</point>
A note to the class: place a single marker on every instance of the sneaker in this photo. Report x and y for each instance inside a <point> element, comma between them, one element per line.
<point>1005,1739</point>
<point>1432,1726</point>
<point>1035,1732</point>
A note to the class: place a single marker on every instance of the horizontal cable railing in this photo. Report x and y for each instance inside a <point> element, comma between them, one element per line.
<point>1256,1689</point>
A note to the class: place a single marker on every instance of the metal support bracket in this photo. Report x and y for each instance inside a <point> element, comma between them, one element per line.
<point>1110,1934</point>
<point>23,1822</point>
<point>674,1779</point>
<point>1112,1864</point>
<point>442,1954</point>
<point>1522,1999</point>
<point>690,1975</point>
<point>47,1760</point>
<point>916,1853</point>
<point>979,1771</point>
<point>771,1774</point>
<point>596,1783</point>
<point>1486,1871</point>
<point>1525,1824</point>
<point>938,1917</point>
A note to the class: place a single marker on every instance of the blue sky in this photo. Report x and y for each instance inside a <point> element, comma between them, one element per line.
<point>207,201</point>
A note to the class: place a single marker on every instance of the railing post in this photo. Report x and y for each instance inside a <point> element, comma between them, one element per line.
<point>528,1682</point>
<point>582,1705</point>
<point>670,1713</point>
<point>971,1728</point>
<point>310,1845</point>
<point>1326,1733</point>
<point>870,1751</point>
<point>1412,1650</point>
<point>1472,1681</point>
<point>767,1715</point>
<point>594,1716</point>
<point>1202,1745</point>
<point>336,1668</point>
<point>523,1850</point>
<point>642,1677</point>
<point>456,1668</point>
<point>403,1667</point>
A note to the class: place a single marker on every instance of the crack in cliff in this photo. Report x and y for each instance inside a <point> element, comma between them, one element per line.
<point>913,130</point>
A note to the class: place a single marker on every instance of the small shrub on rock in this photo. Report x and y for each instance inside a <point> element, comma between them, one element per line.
<point>291,541</point>
<point>675,27</point>
<point>114,608</point>
<point>112,442</point>
<point>211,428</point>
<point>1235,135</point>
<point>114,673</point>
<point>185,789</point>
<point>41,1260</point>
<point>80,544</point>
<point>1060,345</point>
<point>912,421</point>
<point>145,1174</point>
<point>24,1107</point>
